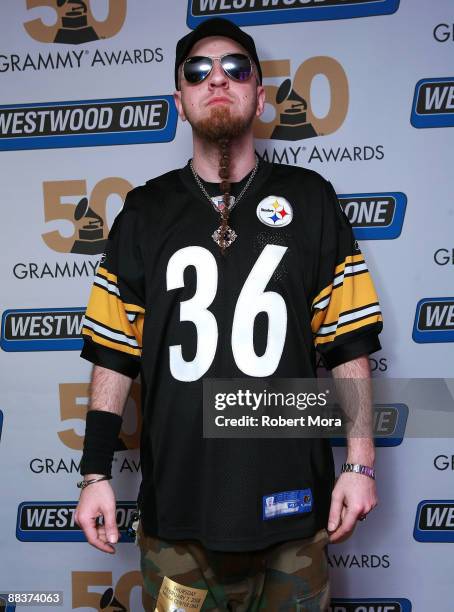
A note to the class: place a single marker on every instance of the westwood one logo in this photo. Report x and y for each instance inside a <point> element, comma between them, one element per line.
<point>291,102</point>
<point>434,320</point>
<point>46,521</point>
<point>375,216</point>
<point>42,329</point>
<point>433,103</point>
<point>434,521</point>
<point>87,123</point>
<point>74,22</point>
<point>260,12</point>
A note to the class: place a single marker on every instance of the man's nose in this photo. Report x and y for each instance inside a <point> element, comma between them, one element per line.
<point>217,77</point>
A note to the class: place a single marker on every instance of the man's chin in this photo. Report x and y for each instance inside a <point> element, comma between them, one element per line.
<point>220,124</point>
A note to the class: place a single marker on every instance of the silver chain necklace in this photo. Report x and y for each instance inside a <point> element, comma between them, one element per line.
<point>218,204</point>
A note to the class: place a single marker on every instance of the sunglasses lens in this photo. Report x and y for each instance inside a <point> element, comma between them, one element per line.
<point>237,66</point>
<point>195,69</point>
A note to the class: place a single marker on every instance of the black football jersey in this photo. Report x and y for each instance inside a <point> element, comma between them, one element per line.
<point>166,303</point>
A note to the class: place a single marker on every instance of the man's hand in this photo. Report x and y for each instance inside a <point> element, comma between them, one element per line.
<point>98,499</point>
<point>354,495</point>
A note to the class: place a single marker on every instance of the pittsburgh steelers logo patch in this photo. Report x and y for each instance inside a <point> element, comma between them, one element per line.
<point>275,211</point>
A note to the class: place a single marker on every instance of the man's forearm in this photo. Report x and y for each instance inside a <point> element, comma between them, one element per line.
<point>360,448</point>
<point>109,390</point>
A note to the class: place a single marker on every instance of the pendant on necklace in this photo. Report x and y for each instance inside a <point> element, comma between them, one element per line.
<point>218,202</point>
<point>228,235</point>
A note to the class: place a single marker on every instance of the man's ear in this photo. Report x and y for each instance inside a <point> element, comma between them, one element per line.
<point>260,100</point>
<point>178,104</point>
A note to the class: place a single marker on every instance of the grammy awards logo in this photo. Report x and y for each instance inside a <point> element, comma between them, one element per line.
<point>293,103</point>
<point>75,22</point>
<point>88,216</point>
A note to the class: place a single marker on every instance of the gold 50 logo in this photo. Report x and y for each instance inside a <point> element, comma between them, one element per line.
<point>117,598</point>
<point>75,23</point>
<point>294,117</point>
<point>88,215</point>
<point>71,395</point>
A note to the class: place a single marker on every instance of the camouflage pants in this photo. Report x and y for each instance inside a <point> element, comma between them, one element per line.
<point>287,577</point>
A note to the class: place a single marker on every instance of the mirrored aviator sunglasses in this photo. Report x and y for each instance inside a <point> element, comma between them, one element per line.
<point>236,66</point>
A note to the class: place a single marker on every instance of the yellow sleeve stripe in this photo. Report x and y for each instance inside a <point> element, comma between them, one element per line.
<point>107,275</point>
<point>357,291</point>
<point>351,263</point>
<point>133,308</point>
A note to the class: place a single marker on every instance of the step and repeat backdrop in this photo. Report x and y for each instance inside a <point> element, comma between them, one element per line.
<point>361,91</point>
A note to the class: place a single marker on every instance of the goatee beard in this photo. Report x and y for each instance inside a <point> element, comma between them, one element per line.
<point>221,125</point>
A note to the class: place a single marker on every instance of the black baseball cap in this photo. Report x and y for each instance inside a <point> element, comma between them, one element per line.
<point>215,27</point>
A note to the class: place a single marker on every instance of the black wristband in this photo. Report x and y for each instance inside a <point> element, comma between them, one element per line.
<point>101,435</point>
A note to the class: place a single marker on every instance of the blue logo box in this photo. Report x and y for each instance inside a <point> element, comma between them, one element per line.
<point>394,222</point>
<point>200,10</point>
<point>423,117</point>
<point>438,329</point>
<point>434,521</point>
<point>51,125</point>
<point>41,532</point>
<point>68,342</point>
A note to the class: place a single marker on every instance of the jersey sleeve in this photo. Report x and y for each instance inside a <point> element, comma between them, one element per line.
<point>113,322</point>
<point>346,317</point>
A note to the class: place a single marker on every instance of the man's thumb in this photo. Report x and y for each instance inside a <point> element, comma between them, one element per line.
<point>334,514</point>
<point>110,526</point>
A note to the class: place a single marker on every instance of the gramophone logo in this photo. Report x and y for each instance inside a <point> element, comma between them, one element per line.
<point>75,22</point>
<point>90,231</point>
<point>88,215</point>
<point>293,122</point>
<point>294,116</point>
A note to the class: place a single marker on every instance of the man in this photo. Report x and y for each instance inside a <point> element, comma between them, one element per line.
<point>189,274</point>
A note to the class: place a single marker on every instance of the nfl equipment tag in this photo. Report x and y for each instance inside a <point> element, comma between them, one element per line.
<point>287,503</point>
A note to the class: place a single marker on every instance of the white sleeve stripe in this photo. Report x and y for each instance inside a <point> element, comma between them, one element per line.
<point>347,318</point>
<point>115,336</point>
<point>105,284</point>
